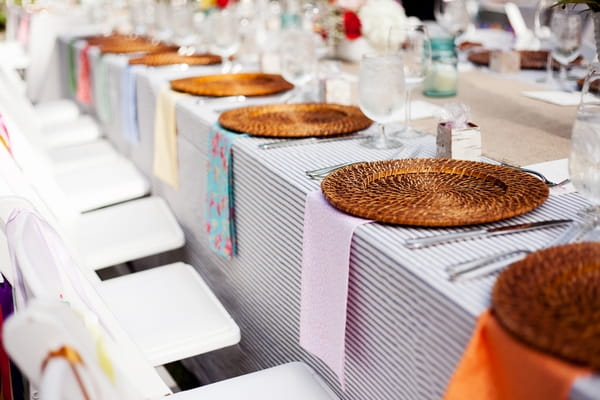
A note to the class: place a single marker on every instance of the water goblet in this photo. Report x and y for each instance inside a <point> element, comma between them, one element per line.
<point>225,40</point>
<point>298,59</point>
<point>452,15</point>
<point>566,28</point>
<point>381,96</point>
<point>413,43</point>
<point>542,31</point>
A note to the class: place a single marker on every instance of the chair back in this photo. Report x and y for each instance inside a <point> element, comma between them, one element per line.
<point>44,269</point>
<point>54,347</point>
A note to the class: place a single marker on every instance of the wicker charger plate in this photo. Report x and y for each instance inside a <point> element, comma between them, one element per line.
<point>250,84</point>
<point>433,192</point>
<point>551,301</point>
<point>530,59</point>
<point>134,46</point>
<point>173,57</point>
<point>295,120</point>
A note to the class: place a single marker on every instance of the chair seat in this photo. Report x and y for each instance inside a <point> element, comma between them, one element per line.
<point>170,312</point>
<point>84,155</point>
<point>126,232</point>
<point>103,184</point>
<point>56,112</point>
<point>82,129</point>
<point>291,381</point>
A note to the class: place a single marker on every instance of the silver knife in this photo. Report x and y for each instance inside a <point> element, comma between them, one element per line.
<point>420,242</point>
<point>480,267</point>
<point>312,140</point>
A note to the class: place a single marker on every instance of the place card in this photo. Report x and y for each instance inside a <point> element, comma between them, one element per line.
<point>505,62</point>
<point>458,143</point>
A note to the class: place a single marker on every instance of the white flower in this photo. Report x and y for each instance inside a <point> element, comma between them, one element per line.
<point>377,17</point>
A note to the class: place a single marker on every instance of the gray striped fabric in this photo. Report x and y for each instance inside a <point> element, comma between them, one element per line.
<point>407,324</point>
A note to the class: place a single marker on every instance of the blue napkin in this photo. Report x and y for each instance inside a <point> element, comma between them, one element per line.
<point>220,225</point>
<point>129,104</point>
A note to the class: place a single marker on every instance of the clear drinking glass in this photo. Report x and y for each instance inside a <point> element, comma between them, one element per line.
<point>543,31</point>
<point>452,15</point>
<point>298,58</point>
<point>566,28</point>
<point>182,25</point>
<point>225,35</point>
<point>584,159</point>
<point>414,45</point>
<point>381,94</point>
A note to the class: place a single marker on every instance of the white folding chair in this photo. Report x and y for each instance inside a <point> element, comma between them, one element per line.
<point>168,311</point>
<point>88,187</point>
<point>48,327</point>
<point>105,237</point>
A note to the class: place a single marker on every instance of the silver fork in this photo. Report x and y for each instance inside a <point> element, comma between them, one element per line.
<point>538,174</point>
<point>481,267</point>
<point>321,173</point>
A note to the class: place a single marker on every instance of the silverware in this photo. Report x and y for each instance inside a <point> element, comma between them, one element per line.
<point>216,100</point>
<point>538,174</point>
<point>480,267</point>
<point>321,173</point>
<point>312,140</point>
<point>420,242</point>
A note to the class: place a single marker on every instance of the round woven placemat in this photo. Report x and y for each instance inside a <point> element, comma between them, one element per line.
<point>530,59</point>
<point>295,120</point>
<point>551,301</point>
<point>249,84</point>
<point>173,57</point>
<point>433,192</point>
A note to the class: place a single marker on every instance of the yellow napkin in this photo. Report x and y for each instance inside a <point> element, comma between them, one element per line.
<point>166,165</point>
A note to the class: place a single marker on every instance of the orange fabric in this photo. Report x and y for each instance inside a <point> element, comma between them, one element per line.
<point>497,366</point>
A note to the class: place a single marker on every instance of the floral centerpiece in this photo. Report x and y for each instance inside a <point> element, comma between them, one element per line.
<point>594,7</point>
<point>363,25</point>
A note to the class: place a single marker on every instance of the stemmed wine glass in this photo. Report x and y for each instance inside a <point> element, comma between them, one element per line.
<point>452,15</point>
<point>226,38</point>
<point>182,25</point>
<point>566,28</point>
<point>413,43</point>
<point>381,96</point>
<point>298,58</point>
<point>543,31</point>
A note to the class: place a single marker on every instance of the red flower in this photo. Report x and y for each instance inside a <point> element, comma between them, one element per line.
<point>222,3</point>
<point>351,25</point>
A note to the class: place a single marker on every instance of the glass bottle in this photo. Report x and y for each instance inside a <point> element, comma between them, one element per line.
<point>443,75</point>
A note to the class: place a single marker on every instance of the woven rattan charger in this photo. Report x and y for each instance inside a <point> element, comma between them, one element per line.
<point>246,84</point>
<point>551,301</point>
<point>433,192</point>
<point>530,59</point>
<point>295,120</point>
<point>122,44</point>
<point>173,57</point>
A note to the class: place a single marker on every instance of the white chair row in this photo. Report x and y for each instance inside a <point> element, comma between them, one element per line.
<point>52,346</point>
<point>168,311</point>
<point>88,170</point>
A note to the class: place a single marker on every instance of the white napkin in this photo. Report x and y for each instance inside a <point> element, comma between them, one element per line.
<point>555,171</point>
<point>557,97</point>
<point>420,109</point>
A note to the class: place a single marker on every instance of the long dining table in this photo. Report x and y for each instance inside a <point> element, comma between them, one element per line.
<point>407,323</point>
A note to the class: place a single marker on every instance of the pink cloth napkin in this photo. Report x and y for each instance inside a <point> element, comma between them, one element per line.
<point>84,89</point>
<point>325,270</point>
